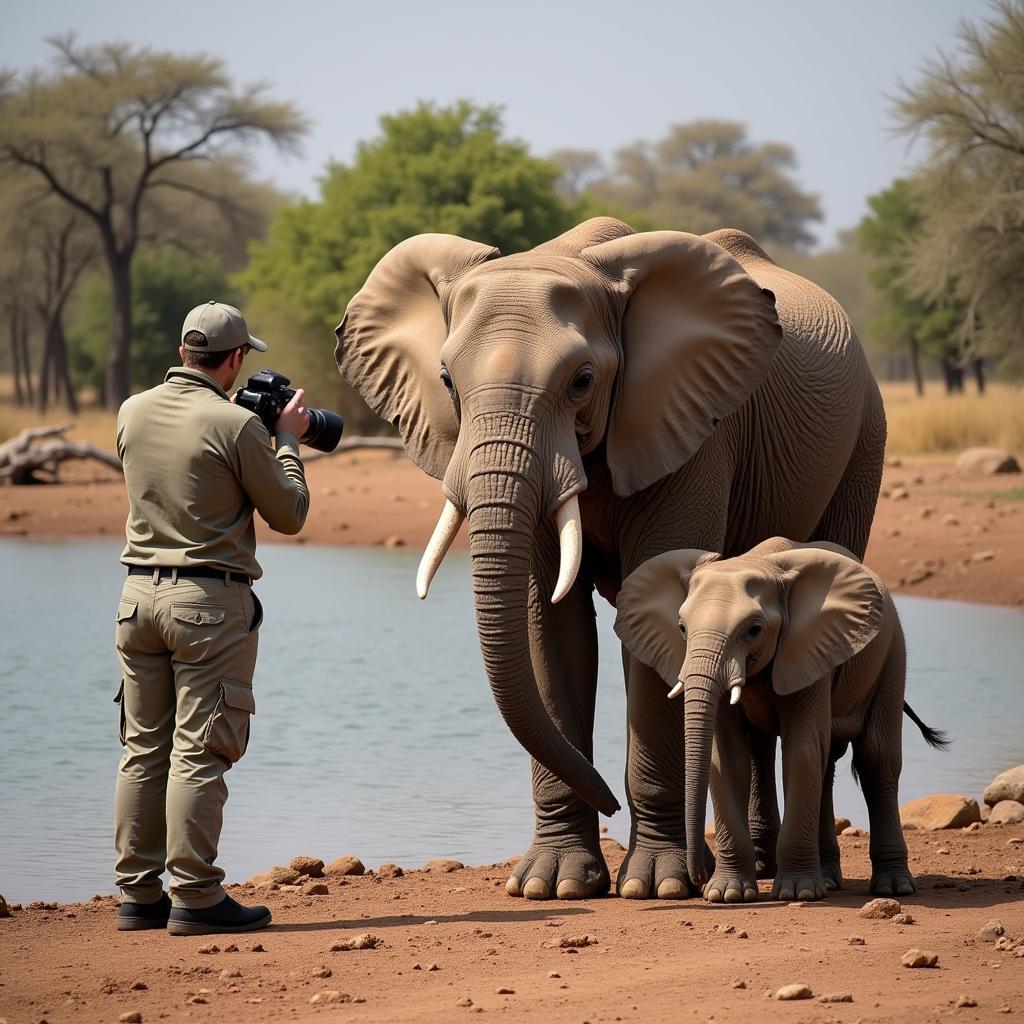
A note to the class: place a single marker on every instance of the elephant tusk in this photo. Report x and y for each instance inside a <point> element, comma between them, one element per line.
<point>735,693</point>
<point>437,547</point>
<point>676,690</point>
<point>570,546</point>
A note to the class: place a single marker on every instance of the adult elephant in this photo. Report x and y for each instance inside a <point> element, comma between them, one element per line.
<point>589,404</point>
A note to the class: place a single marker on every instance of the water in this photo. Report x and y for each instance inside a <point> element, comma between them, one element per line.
<point>375,732</point>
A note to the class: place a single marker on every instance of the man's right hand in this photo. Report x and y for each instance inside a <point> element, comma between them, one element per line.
<point>294,418</point>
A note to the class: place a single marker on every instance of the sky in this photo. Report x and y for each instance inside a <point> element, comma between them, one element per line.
<point>816,74</point>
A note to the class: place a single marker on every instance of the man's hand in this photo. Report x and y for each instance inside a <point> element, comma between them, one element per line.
<point>294,418</point>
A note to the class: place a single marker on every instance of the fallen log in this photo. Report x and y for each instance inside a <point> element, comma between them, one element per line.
<point>24,461</point>
<point>351,444</point>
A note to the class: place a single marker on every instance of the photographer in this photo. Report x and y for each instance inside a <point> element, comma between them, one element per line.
<point>196,466</point>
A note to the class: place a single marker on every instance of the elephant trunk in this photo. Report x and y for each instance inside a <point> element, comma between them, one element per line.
<point>504,510</point>
<point>707,672</point>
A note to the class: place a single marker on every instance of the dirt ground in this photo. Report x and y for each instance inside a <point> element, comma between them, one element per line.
<point>935,534</point>
<point>453,945</point>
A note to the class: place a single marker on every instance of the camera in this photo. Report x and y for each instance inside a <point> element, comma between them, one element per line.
<point>267,393</point>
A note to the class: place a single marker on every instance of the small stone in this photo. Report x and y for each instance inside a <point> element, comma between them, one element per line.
<point>277,875</point>
<point>899,494</point>
<point>394,541</point>
<point>852,830</point>
<point>1008,785</point>
<point>950,520</point>
<point>575,942</point>
<point>1007,812</point>
<point>790,992</point>
<point>364,941</point>
<point>982,462</point>
<point>210,947</point>
<point>258,948</point>
<point>312,866</point>
<point>315,889</point>
<point>431,921</point>
<point>963,1001</point>
<point>5,910</point>
<point>742,934</point>
<point>229,972</point>
<point>465,1001</point>
<point>131,1017</point>
<point>856,940</point>
<point>880,909</point>
<point>919,958</point>
<point>903,918</point>
<point>504,990</point>
<point>231,949</point>
<point>991,931</point>
<point>739,983</point>
<point>433,967</point>
<point>390,871</point>
<point>443,866</point>
<point>197,1000</point>
<point>347,865</point>
<point>837,997</point>
<point>941,811</point>
<point>983,556</point>
<point>842,823</point>
<point>943,851</point>
<point>975,826</point>
<point>329,995</point>
<point>553,974</point>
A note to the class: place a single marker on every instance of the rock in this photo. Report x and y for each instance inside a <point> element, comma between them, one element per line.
<point>131,1017</point>
<point>315,889</point>
<point>837,997</point>
<point>257,948</point>
<point>950,520</point>
<point>1008,785</point>
<point>329,995</point>
<point>312,866</point>
<point>983,556</point>
<point>880,909</point>
<point>434,967</point>
<point>919,958</point>
<point>739,983</point>
<point>229,972</point>
<point>842,823</point>
<point>788,992</point>
<point>390,871</point>
<point>347,865</point>
<point>963,1001</point>
<point>443,866</point>
<point>851,830</point>
<point>465,1001</point>
<point>975,462</point>
<point>210,947</point>
<point>855,940</point>
<point>323,972</point>
<point>138,986</point>
<point>899,494</point>
<point>941,810</point>
<point>975,826</point>
<point>991,931</point>
<point>394,541</point>
<point>504,990</point>
<point>364,941</point>
<point>231,949</point>
<point>575,942</point>
<point>277,875</point>
<point>986,812</point>
<point>1007,812</point>
<point>5,910</point>
<point>553,974</point>
<point>902,919</point>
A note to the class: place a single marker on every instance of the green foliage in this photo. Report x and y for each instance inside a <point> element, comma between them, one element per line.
<point>889,233</point>
<point>969,108</point>
<point>445,169</point>
<point>167,283</point>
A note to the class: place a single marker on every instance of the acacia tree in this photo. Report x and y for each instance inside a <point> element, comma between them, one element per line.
<point>701,176</point>
<point>112,124</point>
<point>969,108</point>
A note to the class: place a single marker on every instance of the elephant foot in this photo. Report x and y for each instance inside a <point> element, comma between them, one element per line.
<point>728,886</point>
<point>799,885</point>
<point>548,871</point>
<point>655,872</point>
<point>833,874</point>
<point>892,881</point>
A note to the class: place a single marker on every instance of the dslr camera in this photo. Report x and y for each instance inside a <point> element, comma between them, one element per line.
<point>267,393</point>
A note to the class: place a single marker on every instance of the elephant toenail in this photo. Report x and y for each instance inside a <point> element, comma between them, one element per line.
<point>733,896</point>
<point>571,889</point>
<point>512,887</point>
<point>633,889</point>
<point>673,889</point>
<point>536,889</point>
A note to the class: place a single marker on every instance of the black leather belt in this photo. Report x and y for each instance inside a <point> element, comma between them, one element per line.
<point>162,572</point>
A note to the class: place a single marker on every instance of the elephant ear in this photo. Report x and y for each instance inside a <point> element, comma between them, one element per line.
<point>390,339</point>
<point>698,337</point>
<point>647,609</point>
<point>834,609</point>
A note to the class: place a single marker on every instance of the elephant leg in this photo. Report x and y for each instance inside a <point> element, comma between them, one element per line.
<point>828,845</point>
<point>804,718</point>
<point>655,863</point>
<point>734,879</point>
<point>878,759</point>
<point>763,811</point>
<point>564,860</point>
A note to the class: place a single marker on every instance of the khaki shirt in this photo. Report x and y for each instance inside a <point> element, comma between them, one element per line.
<point>196,467</point>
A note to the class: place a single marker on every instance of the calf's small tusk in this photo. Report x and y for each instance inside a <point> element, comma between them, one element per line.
<point>570,546</point>
<point>676,690</point>
<point>437,547</point>
<point>735,693</point>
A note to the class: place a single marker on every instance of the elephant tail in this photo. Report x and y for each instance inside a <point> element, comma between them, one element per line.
<point>936,738</point>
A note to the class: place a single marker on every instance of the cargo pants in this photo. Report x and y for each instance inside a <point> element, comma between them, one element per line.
<point>187,649</point>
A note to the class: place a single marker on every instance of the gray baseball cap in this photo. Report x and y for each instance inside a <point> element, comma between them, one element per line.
<point>222,325</point>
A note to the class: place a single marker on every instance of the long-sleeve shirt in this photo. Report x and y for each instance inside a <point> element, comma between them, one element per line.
<point>196,467</point>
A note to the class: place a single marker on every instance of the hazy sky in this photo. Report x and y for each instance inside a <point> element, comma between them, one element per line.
<point>594,74</point>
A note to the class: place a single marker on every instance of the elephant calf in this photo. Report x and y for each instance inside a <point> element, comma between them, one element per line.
<point>808,644</point>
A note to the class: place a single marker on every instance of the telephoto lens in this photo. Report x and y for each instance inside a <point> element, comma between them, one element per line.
<point>266,393</point>
<point>325,430</point>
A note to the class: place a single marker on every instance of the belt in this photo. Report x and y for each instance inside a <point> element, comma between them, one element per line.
<point>163,572</point>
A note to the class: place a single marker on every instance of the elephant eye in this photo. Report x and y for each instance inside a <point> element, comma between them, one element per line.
<point>582,382</point>
<point>446,380</point>
<point>682,627</point>
<point>755,629</point>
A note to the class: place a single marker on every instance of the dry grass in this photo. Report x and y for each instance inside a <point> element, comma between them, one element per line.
<point>95,425</point>
<point>940,424</point>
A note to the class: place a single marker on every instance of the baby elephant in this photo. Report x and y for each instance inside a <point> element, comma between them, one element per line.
<point>807,643</point>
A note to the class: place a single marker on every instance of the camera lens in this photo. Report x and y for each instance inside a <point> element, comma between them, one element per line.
<point>325,430</point>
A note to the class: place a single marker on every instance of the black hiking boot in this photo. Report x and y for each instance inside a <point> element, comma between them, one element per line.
<point>136,916</point>
<point>226,916</point>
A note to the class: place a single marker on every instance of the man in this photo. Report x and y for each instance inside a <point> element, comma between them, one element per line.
<point>196,466</point>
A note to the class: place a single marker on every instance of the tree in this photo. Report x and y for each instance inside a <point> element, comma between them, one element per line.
<point>969,109</point>
<point>446,169</point>
<point>927,327</point>
<point>705,175</point>
<point>111,125</point>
